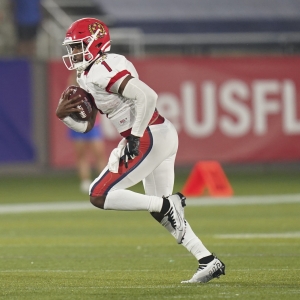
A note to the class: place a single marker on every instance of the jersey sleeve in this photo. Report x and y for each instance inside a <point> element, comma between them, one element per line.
<point>110,70</point>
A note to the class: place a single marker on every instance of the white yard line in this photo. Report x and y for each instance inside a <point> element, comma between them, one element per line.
<point>44,207</point>
<point>132,270</point>
<point>202,201</point>
<point>284,235</point>
<point>245,200</point>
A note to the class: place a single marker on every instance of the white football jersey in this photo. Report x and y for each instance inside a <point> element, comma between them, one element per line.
<point>104,76</point>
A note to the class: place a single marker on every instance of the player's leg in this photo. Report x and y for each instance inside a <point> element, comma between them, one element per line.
<point>121,199</point>
<point>158,142</point>
<point>98,150</point>
<point>160,182</point>
<point>83,164</point>
<point>108,191</point>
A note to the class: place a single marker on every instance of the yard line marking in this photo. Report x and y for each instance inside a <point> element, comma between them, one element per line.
<point>44,207</point>
<point>286,235</point>
<point>101,271</point>
<point>244,200</point>
<point>202,201</point>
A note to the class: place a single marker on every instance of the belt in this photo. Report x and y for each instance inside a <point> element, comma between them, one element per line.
<point>156,119</point>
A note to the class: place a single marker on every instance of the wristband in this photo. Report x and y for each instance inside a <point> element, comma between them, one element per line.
<point>77,126</point>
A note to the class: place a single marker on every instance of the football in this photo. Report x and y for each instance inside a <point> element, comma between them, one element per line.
<point>86,105</point>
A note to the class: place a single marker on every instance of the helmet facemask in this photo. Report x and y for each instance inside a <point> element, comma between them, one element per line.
<point>87,56</point>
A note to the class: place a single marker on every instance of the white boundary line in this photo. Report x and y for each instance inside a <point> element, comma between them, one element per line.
<point>130,270</point>
<point>203,201</point>
<point>283,235</point>
<point>245,200</point>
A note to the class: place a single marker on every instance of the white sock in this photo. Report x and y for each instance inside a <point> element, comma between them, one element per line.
<point>191,242</point>
<point>128,200</point>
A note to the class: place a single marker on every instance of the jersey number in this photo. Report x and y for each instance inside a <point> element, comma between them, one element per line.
<point>104,63</point>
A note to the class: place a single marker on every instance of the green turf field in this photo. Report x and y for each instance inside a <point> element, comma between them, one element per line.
<point>95,254</point>
<point>54,188</point>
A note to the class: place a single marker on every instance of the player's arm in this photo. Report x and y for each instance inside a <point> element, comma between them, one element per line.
<point>68,106</point>
<point>145,103</point>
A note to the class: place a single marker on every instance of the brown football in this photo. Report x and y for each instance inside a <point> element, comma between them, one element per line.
<point>86,105</point>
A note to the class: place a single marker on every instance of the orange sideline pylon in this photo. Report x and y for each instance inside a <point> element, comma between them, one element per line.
<point>207,175</point>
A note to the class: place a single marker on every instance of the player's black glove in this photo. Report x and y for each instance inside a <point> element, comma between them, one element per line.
<point>131,149</point>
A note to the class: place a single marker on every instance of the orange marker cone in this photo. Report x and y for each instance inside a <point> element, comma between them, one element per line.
<point>207,175</point>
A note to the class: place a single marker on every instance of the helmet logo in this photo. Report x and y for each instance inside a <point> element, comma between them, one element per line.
<point>94,27</point>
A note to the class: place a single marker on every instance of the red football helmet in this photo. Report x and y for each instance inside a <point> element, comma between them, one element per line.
<point>93,35</point>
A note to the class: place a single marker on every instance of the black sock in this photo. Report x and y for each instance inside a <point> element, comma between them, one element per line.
<point>165,207</point>
<point>205,260</point>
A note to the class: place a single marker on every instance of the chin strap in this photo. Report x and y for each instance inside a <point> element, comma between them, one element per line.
<point>86,64</point>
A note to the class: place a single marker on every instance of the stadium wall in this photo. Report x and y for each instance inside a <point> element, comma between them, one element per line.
<point>23,123</point>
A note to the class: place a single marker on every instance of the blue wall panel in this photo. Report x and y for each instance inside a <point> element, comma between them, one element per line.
<point>16,115</point>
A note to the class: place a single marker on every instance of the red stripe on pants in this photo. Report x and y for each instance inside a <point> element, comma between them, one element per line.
<point>109,179</point>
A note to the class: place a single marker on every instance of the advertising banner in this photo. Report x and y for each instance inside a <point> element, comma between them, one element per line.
<point>233,110</point>
<point>16,113</point>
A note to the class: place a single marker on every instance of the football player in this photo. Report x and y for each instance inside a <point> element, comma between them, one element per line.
<point>148,149</point>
